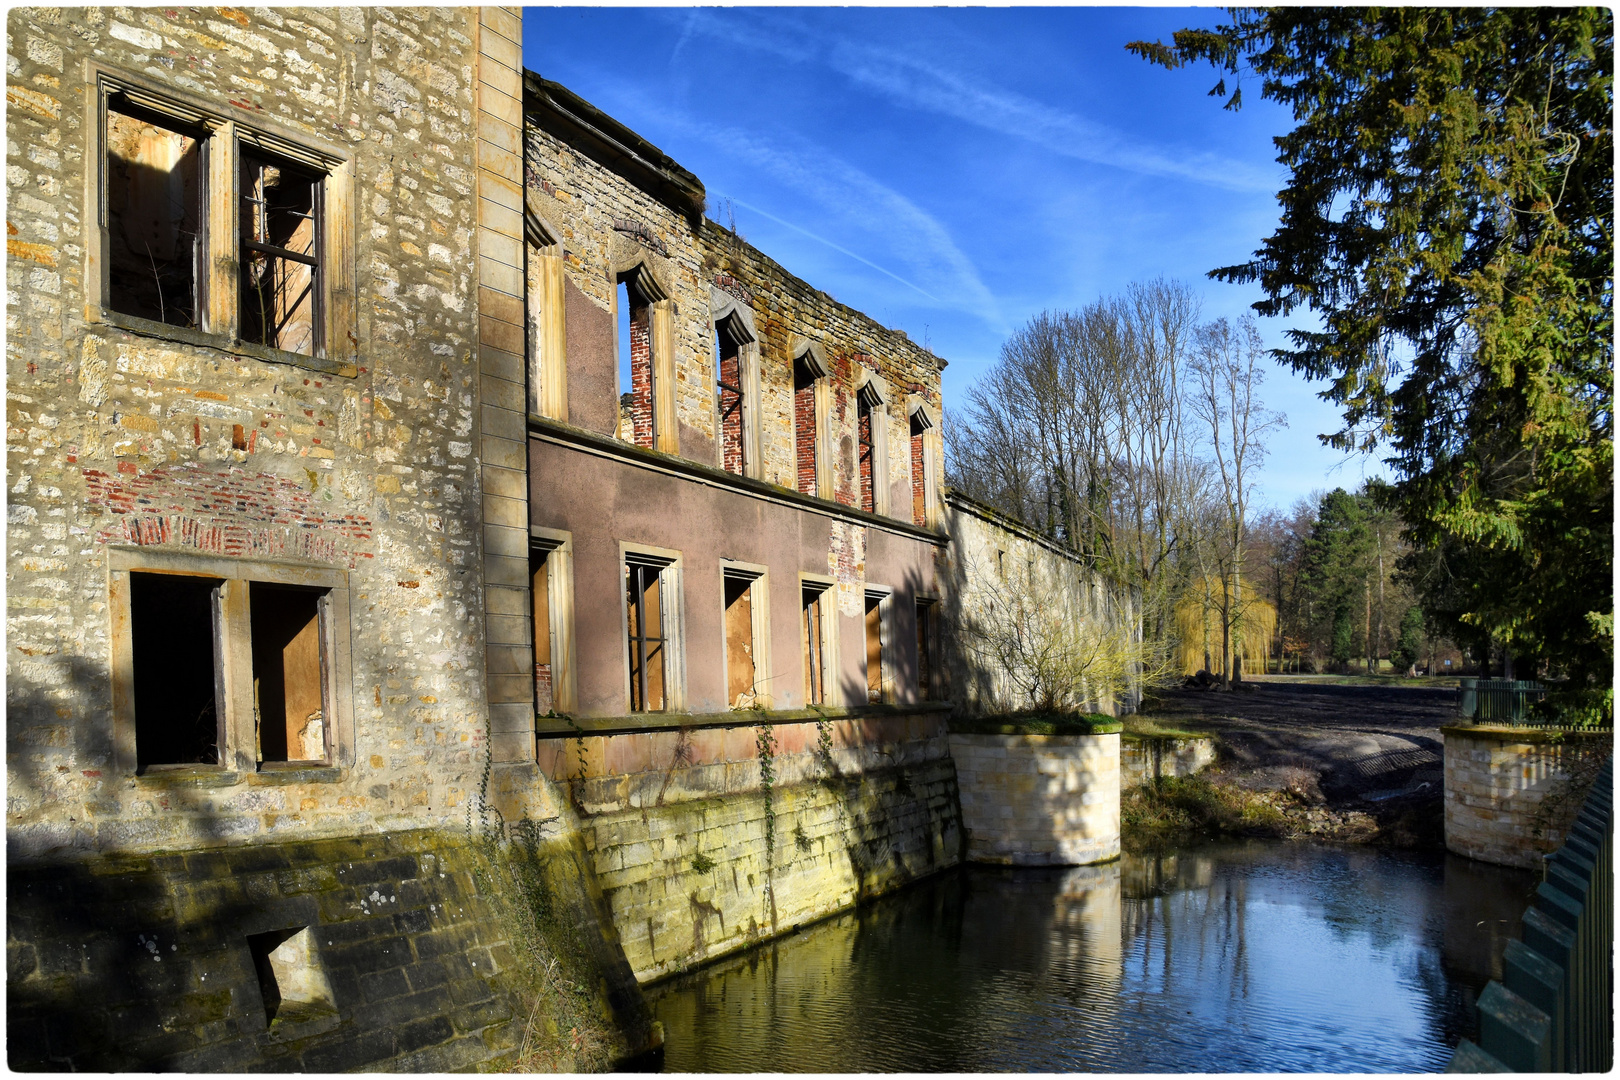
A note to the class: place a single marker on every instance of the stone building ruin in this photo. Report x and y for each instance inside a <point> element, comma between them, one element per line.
<point>398,454</point>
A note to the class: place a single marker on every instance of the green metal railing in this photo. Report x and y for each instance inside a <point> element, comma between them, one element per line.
<point>1553,1011</point>
<point>1498,701</point>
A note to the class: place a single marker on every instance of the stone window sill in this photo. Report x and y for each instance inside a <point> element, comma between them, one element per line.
<point>134,324</point>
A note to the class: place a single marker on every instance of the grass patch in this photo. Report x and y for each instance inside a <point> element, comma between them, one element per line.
<point>1153,727</point>
<point>1183,807</point>
<point>1042,723</point>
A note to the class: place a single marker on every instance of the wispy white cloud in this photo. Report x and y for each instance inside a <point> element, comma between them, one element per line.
<point>913,83</point>
<point>851,203</point>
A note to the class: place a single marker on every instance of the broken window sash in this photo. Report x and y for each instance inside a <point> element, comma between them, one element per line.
<point>281,238</point>
<point>156,218</point>
<point>540,592</point>
<point>865,463</point>
<point>815,689</point>
<point>729,399</point>
<point>645,619</point>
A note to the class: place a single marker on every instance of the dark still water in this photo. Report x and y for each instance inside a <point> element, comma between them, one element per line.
<point>1252,957</point>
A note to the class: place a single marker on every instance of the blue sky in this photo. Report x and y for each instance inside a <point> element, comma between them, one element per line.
<point>954,171</point>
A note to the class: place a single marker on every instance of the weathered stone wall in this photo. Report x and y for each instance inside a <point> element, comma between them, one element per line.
<point>1002,580</point>
<point>175,440</point>
<point>677,824</point>
<point>1142,759</point>
<point>1511,792</point>
<point>606,223</point>
<point>140,963</point>
<point>1039,800</point>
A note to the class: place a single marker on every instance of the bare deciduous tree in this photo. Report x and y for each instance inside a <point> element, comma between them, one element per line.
<point>1228,373</point>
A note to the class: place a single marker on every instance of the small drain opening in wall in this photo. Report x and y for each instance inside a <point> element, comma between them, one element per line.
<point>291,980</point>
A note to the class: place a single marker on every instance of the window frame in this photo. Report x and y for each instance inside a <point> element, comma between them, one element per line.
<point>661,344</point>
<point>930,681</point>
<point>814,358</point>
<point>887,686</point>
<point>759,611</point>
<point>921,415</point>
<point>670,565</point>
<point>234,646</point>
<point>872,395</point>
<point>558,547</point>
<point>826,590</point>
<point>546,305</point>
<point>220,283</point>
<point>729,316</point>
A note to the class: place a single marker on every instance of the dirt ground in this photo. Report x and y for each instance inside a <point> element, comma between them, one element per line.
<point>1346,762</point>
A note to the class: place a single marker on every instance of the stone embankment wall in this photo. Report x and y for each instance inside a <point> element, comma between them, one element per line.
<point>1511,792</point>
<point>423,958</point>
<point>1143,759</point>
<point>1039,800</point>
<point>698,857</point>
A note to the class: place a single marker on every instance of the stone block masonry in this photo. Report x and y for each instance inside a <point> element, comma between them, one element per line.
<point>1039,800</point>
<point>142,963</point>
<point>1511,792</point>
<point>677,825</point>
<point>1144,759</point>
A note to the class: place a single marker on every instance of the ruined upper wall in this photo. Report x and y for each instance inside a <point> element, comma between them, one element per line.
<point>194,445</point>
<point>611,210</point>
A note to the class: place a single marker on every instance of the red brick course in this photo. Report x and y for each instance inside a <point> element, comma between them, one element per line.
<point>231,512</point>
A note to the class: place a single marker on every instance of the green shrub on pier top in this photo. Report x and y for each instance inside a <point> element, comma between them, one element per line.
<point>1036,723</point>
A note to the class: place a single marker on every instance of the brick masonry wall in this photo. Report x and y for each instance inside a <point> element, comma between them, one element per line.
<point>1142,760</point>
<point>136,964</point>
<point>120,438</point>
<point>1510,793</point>
<point>1039,800</point>
<point>676,824</point>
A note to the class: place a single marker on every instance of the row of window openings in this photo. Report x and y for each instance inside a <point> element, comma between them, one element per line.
<point>648,640</point>
<point>158,202</point>
<point>638,415</point>
<point>178,632</point>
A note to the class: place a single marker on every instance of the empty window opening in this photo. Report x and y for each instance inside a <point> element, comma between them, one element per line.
<point>925,650</point>
<point>919,477</point>
<point>728,390</point>
<point>740,645</point>
<point>174,622</point>
<point>874,649</point>
<point>644,603</point>
<point>292,981</point>
<point>155,216</point>
<point>638,421</point>
<point>804,425</point>
<point>813,641</point>
<point>289,673</point>
<point>281,266</point>
<point>863,433</point>
<point>540,590</point>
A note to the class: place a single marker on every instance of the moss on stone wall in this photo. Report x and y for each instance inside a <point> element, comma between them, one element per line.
<point>441,952</point>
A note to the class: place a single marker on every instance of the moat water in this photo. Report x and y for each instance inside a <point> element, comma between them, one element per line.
<point>1252,957</point>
